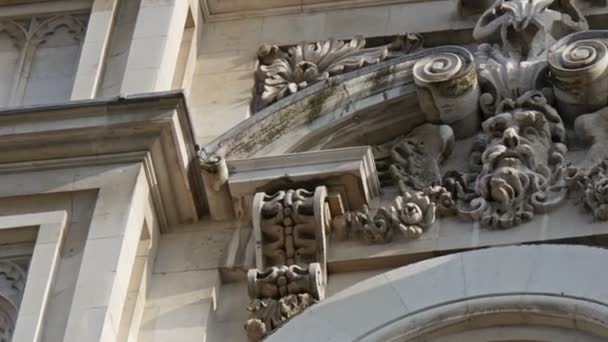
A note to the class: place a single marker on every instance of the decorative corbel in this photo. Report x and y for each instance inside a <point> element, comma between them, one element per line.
<point>290,229</point>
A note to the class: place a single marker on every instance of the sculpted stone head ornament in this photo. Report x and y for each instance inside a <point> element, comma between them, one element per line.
<point>522,163</point>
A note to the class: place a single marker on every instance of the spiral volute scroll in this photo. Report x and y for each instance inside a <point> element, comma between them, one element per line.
<point>579,69</point>
<point>448,91</point>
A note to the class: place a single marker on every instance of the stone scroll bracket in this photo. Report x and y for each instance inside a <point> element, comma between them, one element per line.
<point>291,228</point>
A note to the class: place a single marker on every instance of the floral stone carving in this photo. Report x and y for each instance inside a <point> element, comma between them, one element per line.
<point>516,36</point>
<point>596,190</point>
<point>523,168</point>
<point>411,214</point>
<point>283,72</point>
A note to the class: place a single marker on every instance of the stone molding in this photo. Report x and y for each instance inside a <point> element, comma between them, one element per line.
<point>351,172</point>
<point>234,9</point>
<point>153,129</point>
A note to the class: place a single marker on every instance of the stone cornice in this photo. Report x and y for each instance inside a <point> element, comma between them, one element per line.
<point>153,129</point>
<point>214,10</point>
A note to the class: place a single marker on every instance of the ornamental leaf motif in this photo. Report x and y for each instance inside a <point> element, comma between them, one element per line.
<point>286,72</point>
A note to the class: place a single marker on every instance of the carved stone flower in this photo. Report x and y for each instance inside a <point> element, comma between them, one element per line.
<point>416,213</point>
<point>596,192</point>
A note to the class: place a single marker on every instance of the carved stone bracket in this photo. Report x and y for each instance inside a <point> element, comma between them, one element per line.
<point>291,228</point>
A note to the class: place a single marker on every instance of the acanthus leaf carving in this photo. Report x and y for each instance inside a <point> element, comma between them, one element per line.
<point>268,314</point>
<point>285,71</point>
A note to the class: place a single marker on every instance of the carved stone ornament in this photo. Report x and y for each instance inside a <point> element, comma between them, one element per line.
<point>579,69</point>
<point>285,71</point>
<point>410,214</point>
<point>516,36</point>
<point>523,169</point>
<point>290,227</point>
<point>277,282</point>
<point>595,187</point>
<point>268,314</point>
<point>448,91</point>
<point>412,162</point>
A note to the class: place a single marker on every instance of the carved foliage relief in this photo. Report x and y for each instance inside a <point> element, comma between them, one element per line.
<point>286,70</point>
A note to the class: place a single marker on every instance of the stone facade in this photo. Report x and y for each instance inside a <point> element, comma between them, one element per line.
<point>370,170</point>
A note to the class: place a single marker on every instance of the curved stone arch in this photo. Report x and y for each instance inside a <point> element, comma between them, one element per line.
<point>15,31</point>
<point>49,26</point>
<point>537,288</point>
<point>330,113</point>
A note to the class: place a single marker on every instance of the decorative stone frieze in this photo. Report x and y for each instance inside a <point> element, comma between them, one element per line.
<point>285,71</point>
<point>448,91</point>
<point>516,36</point>
<point>579,70</point>
<point>523,167</point>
